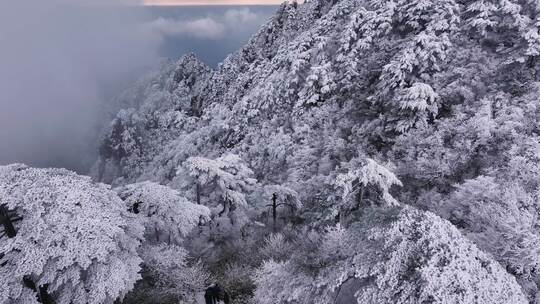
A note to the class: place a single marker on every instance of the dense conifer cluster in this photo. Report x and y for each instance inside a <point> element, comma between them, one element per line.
<point>353,151</point>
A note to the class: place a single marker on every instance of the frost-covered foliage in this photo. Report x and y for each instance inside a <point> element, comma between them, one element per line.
<point>280,197</point>
<point>168,218</point>
<point>166,215</point>
<point>155,110</point>
<point>227,173</point>
<point>369,175</point>
<point>276,247</point>
<point>172,279</point>
<point>283,195</point>
<point>348,105</point>
<point>501,217</point>
<point>75,241</point>
<point>397,256</point>
<point>366,183</point>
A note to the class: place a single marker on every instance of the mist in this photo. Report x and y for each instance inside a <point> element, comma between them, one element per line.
<point>59,62</point>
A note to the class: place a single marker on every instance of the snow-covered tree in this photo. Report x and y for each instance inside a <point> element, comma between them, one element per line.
<point>401,255</point>
<point>514,22</point>
<point>121,148</point>
<point>76,243</point>
<point>168,218</point>
<point>280,195</point>
<point>166,215</point>
<point>368,185</point>
<point>501,218</point>
<point>228,176</point>
<point>169,275</point>
<point>276,247</point>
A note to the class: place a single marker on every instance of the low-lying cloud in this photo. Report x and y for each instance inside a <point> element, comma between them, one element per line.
<point>59,59</point>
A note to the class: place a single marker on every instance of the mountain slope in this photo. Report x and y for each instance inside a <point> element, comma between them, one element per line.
<point>444,93</point>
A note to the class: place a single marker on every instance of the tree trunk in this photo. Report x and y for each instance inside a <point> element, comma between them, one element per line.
<point>274,212</point>
<point>6,221</point>
<point>198,190</point>
<point>226,208</point>
<point>361,197</point>
<point>42,294</point>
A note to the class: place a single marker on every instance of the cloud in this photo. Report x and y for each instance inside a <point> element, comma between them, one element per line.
<point>203,28</point>
<point>60,60</point>
<point>244,15</point>
<point>213,27</point>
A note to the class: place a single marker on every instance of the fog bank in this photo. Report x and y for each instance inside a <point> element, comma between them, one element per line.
<point>59,60</point>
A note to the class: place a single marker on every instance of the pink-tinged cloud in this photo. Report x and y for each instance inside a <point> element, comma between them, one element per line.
<point>212,2</point>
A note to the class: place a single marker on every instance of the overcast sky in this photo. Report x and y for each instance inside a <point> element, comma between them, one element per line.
<point>175,2</point>
<point>212,2</point>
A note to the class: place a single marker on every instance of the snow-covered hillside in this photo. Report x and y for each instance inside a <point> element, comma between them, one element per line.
<point>443,94</point>
<point>353,151</point>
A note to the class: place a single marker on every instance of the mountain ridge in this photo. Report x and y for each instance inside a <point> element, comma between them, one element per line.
<point>442,93</point>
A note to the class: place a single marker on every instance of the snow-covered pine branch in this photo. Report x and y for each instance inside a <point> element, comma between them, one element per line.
<point>228,174</point>
<point>76,241</point>
<point>165,213</point>
<point>369,175</point>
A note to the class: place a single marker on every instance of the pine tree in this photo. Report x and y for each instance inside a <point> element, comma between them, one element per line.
<point>74,244</point>
<point>281,196</point>
<point>168,219</point>
<point>166,215</point>
<point>501,218</point>
<point>401,255</point>
<point>370,184</point>
<point>227,175</point>
<point>169,275</point>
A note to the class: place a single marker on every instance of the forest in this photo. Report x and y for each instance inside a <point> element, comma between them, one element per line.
<point>353,151</point>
